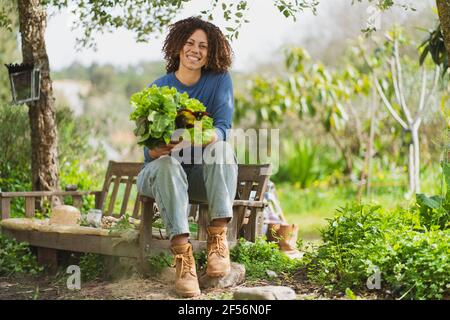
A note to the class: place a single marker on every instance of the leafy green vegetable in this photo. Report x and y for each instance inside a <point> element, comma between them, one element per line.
<point>158,111</point>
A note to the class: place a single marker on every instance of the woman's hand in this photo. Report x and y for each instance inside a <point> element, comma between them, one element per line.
<point>162,150</point>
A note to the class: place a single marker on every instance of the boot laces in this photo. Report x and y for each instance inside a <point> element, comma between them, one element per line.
<point>186,263</point>
<point>217,242</point>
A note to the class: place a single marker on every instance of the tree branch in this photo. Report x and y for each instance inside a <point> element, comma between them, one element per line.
<point>389,106</point>
<point>420,111</point>
<point>395,82</point>
<point>400,83</point>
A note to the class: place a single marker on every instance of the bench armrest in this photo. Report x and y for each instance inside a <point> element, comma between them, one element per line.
<point>45,193</point>
<point>6,197</point>
<point>249,203</point>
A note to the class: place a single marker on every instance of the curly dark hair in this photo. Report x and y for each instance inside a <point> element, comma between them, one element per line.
<point>219,49</point>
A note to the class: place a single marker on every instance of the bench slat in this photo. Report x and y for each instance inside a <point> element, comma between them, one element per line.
<point>112,200</point>
<point>126,196</point>
<point>30,206</point>
<point>137,206</point>
<point>45,193</point>
<point>6,207</point>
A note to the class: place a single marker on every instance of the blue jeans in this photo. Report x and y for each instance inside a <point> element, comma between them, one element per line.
<point>172,184</point>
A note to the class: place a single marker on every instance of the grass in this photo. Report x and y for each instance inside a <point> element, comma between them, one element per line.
<point>309,208</point>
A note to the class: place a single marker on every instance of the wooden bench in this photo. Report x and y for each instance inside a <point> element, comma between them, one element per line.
<point>120,185</point>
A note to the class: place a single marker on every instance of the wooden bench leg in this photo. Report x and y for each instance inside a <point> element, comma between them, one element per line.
<point>203,222</point>
<point>48,258</point>
<point>255,225</point>
<point>145,236</point>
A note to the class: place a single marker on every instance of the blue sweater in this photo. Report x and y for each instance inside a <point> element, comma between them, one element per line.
<point>214,90</point>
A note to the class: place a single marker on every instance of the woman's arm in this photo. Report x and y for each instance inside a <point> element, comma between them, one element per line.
<point>223,107</point>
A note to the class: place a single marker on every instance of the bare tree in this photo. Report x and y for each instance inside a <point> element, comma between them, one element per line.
<point>411,122</point>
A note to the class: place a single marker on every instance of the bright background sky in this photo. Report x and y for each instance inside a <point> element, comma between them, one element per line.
<point>258,42</point>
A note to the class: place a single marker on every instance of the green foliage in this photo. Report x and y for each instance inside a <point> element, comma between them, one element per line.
<point>92,266</point>
<point>141,17</point>
<point>74,149</point>
<point>159,111</point>
<point>260,256</point>
<point>72,173</point>
<point>15,165</point>
<point>122,225</point>
<point>200,259</point>
<point>9,52</point>
<point>301,164</point>
<point>16,258</point>
<point>434,46</point>
<point>158,262</point>
<point>432,212</point>
<point>413,261</point>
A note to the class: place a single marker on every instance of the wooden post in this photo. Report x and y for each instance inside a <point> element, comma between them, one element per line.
<point>48,258</point>
<point>29,206</point>
<point>145,234</point>
<point>255,225</point>
<point>203,222</point>
<point>5,207</point>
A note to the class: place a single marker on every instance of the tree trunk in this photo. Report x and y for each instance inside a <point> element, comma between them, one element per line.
<point>415,141</point>
<point>44,141</point>
<point>411,170</point>
<point>371,140</point>
<point>367,168</point>
<point>444,17</point>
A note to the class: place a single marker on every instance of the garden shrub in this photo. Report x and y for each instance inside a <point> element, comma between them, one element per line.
<point>260,256</point>
<point>158,262</point>
<point>15,164</point>
<point>412,259</point>
<point>92,266</point>
<point>16,258</point>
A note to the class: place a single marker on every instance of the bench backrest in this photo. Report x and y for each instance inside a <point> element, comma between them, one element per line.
<point>120,184</point>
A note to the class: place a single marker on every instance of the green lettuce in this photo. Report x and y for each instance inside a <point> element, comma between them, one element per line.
<point>159,111</point>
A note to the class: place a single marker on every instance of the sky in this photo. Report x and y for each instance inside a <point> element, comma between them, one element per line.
<point>258,43</point>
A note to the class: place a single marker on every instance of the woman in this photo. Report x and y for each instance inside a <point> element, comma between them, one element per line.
<point>198,57</point>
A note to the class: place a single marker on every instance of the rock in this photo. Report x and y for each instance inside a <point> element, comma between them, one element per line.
<point>234,278</point>
<point>265,293</point>
<point>65,215</point>
<point>271,274</point>
<point>294,254</point>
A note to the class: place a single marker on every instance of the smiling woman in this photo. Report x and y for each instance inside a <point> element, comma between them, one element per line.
<point>198,58</point>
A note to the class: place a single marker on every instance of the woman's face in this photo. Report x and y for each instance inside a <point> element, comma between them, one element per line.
<point>194,53</point>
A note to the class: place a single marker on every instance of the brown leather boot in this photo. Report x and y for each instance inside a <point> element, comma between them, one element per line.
<point>186,282</point>
<point>218,264</point>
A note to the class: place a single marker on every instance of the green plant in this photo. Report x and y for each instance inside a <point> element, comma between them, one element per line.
<point>72,173</point>
<point>434,211</point>
<point>92,266</point>
<point>200,259</point>
<point>15,165</point>
<point>260,256</point>
<point>122,225</point>
<point>158,262</point>
<point>73,146</point>
<point>302,166</point>
<point>16,258</point>
<point>413,261</point>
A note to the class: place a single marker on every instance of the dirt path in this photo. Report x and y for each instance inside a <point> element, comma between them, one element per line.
<point>133,288</point>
